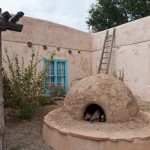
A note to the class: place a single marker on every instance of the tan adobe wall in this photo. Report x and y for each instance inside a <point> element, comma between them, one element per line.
<point>52,35</point>
<point>43,32</point>
<point>130,52</point>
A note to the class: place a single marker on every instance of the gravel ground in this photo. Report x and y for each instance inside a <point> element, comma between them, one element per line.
<point>27,134</point>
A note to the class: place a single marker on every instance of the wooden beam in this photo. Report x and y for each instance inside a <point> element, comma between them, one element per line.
<point>2,125</point>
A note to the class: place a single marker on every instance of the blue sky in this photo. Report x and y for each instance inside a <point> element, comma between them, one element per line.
<point>72,13</point>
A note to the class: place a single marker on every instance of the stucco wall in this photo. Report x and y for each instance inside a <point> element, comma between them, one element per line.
<point>40,33</point>
<point>131,51</point>
<point>48,33</point>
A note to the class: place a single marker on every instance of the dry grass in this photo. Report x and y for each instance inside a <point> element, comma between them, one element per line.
<point>27,134</point>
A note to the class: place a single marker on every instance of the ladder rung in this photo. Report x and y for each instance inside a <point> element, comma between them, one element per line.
<point>108,40</point>
<point>106,53</point>
<point>107,46</point>
<point>109,35</point>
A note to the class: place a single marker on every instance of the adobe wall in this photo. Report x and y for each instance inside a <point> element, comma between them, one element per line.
<point>131,51</point>
<point>53,35</point>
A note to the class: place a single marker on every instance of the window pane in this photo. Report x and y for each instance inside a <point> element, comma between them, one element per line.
<point>49,68</point>
<point>61,81</point>
<point>61,68</point>
<point>47,90</point>
<point>58,78</point>
<point>49,80</point>
<point>46,80</point>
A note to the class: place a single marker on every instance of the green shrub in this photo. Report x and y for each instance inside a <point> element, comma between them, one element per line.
<point>114,74</point>
<point>27,111</point>
<point>7,93</point>
<point>57,91</point>
<point>119,75</point>
<point>23,86</point>
<point>46,100</point>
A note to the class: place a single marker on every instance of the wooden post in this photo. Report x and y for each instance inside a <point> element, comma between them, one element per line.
<point>2,125</point>
<point>7,22</point>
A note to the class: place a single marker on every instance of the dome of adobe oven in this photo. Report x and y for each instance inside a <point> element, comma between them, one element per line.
<point>111,94</point>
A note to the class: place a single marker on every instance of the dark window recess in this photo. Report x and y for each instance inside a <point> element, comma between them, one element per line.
<point>94,113</point>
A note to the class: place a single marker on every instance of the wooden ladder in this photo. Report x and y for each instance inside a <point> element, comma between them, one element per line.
<point>106,52</point>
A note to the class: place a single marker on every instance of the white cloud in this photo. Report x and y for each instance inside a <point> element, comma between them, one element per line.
<point>72,13</point>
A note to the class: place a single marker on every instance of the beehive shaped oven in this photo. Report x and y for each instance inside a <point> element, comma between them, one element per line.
<point>99,113</point>
<point>101,98</point>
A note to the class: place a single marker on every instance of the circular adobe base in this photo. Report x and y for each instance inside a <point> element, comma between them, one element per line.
<point>62,132</point>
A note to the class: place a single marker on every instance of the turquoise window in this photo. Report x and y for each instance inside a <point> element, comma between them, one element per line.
<point>57,73</point>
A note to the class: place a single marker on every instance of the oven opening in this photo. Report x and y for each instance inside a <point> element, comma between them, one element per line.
<point>94,113</point>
